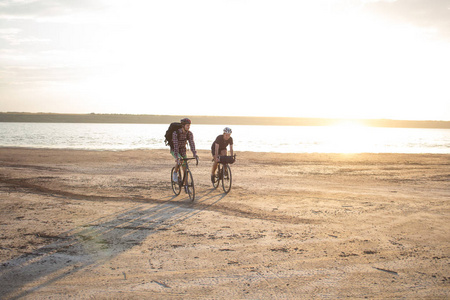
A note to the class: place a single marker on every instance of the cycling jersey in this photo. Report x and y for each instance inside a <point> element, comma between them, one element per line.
<point>222,143</point>
<point>180,138</point>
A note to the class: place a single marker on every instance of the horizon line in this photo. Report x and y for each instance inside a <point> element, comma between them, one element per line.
<point>222,116</point>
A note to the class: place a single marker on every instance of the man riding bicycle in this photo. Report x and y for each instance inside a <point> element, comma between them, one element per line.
<point>180,138</point>
<point>219,148</point>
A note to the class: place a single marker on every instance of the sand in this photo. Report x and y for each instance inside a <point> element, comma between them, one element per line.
<point>106,225</point>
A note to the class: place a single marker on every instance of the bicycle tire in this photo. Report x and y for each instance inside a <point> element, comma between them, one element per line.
<point>190,185</point>
<point>226,178</point>
<point>176,187</point>
<point>217,177</point>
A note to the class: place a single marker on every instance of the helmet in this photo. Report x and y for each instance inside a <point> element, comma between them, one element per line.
<point>185,121</point>
<point>227,130</point>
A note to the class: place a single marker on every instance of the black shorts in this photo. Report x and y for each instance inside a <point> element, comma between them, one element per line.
<point>213,151</point>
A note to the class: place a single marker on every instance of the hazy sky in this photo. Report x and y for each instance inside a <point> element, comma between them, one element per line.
<point>299,58</point>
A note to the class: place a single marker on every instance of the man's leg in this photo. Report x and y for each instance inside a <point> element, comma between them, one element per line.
<point>215,164</point>
<point>214,167</point>
<point>183,165</point>
<point>177,166</point>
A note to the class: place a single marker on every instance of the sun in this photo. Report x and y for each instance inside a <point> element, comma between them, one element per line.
<point>349,136</point>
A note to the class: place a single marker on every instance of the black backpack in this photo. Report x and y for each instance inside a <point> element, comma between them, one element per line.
<point>168,136</point>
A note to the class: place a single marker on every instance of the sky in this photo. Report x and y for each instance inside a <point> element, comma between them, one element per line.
<point>361,59</point>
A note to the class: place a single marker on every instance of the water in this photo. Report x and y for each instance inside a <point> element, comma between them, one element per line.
<point>284,139</point>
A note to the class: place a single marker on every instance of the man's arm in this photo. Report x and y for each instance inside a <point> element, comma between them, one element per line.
<point>192,143</point>
<point>216,150</point>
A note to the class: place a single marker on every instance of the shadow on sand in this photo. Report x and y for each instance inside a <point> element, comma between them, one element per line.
<point>95,243</point>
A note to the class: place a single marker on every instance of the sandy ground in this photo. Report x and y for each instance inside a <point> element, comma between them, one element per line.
<point>91,224</point>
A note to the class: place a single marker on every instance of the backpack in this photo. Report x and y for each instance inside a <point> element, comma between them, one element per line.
<point>168,136</point>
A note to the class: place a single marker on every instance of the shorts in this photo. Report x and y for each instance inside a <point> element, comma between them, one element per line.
<point>179,155</point>
<point>220,151</point>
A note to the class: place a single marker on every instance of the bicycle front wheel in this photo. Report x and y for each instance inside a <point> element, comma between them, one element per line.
<point>190,185</point>
<point>176,188</point>
<point>226,178</point>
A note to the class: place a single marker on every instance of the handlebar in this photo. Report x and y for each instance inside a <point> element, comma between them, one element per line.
<point>190,158</point>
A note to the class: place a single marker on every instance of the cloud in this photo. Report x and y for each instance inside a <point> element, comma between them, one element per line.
<point>42,9</point>
<point>428,14</point>
<point>26,75</point>
<point>12,37</point>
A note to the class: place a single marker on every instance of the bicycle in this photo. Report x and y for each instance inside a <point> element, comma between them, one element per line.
<point>186,180</point>
<point>223,173</point>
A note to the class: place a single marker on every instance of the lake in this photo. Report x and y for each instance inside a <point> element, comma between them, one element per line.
<point>283,139</point>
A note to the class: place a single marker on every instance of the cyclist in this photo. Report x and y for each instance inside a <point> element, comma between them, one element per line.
<point>219,148</point>
<point>180,138</point>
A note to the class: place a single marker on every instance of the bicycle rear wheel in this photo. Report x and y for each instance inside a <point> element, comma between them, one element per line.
<point>190,185</point>
<point>217,176</point>
<point>226,178</point>
<point>176,187</point>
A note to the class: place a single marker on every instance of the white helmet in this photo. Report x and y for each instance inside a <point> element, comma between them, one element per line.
<point>227,130</point>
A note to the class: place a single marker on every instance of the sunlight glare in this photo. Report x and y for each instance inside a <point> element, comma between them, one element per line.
<point>349,136</point>
<point>152,57</point>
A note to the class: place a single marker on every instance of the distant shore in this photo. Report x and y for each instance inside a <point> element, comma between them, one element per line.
<point>229,120</point>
